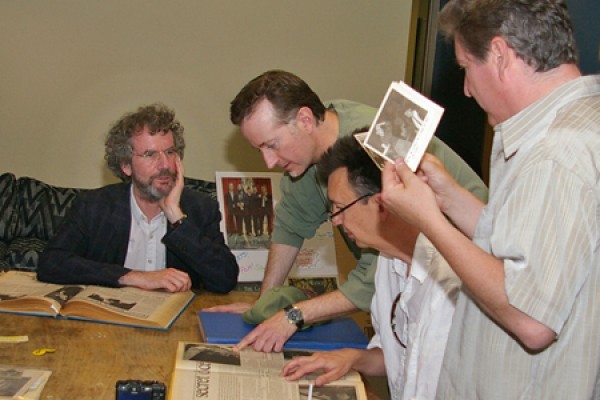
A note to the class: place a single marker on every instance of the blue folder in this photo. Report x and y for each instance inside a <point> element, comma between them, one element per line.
<point>339,333</point>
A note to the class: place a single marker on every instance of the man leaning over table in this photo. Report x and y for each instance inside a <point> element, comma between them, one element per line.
<point>280,115</point>
<point>415,288</point>
<point>149,231</point>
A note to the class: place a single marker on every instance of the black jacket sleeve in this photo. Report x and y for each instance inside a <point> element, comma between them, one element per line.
<point>91,245</point>
<point>197,245</point>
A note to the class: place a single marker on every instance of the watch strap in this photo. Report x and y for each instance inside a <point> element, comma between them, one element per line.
<point>179,221</point>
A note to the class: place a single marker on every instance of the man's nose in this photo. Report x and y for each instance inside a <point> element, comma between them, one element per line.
<point>270,158</point>
<point>163,160</point>
<point>337,220</point>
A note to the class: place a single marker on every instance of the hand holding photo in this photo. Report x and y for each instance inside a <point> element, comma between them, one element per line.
<point>403,126</point>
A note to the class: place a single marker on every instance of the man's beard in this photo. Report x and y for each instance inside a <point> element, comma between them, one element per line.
<point>149,192</point>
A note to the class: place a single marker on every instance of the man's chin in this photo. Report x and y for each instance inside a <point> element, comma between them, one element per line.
<point>295,171</point>
<point>156,192</point>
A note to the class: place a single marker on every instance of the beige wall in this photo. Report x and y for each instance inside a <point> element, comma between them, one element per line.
<point>69,68</point>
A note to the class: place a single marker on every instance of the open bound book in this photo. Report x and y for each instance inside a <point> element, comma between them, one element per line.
<point>216,372</point>
<point>22,293</point>
<point>402,128</point>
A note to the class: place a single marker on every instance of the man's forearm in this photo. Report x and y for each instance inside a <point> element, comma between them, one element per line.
<point>325,306</point>
<point>370,362</point>
<point>463,200</point>
<point>483,277</point>
<point>280,262</point>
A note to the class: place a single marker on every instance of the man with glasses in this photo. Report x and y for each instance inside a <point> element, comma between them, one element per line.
<point>526,323</point>
<point>280,115</point>
<point>415,288</point>
<point>148,232</point>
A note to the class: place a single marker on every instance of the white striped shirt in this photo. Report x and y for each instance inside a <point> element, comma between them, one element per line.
<point>542,220</point>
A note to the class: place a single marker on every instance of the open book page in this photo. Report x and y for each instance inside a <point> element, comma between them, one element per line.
<point>21,291</point>
<point>24,383</point>
<point>403,126</point>
<point>206,371</point>
<point>127,305</point>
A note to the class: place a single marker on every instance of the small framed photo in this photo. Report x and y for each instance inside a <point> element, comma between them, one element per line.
<point>247,202</point>
<point>247,208</point>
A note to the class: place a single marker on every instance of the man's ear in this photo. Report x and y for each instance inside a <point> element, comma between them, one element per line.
<point>501,55</point>
<point>381,210</point>
<point>305,119</point>
<point>126,168</point>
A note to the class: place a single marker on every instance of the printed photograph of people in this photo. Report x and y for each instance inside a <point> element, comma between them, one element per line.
<point>247,211</point>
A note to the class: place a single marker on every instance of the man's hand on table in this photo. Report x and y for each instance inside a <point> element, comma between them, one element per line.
<point>170,279</point>
<point>270,335</point>
<point>233,308</point>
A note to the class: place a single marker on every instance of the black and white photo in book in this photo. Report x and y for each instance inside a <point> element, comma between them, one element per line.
<point>17,382</point>
<point>403,125</point>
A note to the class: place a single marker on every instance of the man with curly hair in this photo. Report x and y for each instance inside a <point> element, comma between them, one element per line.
<point>149,231</point>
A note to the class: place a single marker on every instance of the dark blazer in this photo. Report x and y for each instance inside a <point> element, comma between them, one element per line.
<point>91,245</point>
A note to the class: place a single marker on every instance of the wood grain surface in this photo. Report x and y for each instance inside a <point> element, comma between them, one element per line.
<point>90,357</point>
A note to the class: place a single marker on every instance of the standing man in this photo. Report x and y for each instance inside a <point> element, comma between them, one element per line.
<point>254,200</point>
<point>230,209</point>
<point>266,210</point>
<point>526,322</point>
<point>149,232</point>
<point>415,288</point>
<point>240,204</point>
<point>279,114</point>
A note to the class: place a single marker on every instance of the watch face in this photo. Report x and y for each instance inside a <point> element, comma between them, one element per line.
<point>295,315</point>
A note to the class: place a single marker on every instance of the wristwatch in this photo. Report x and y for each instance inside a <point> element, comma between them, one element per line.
<point>294,315</point>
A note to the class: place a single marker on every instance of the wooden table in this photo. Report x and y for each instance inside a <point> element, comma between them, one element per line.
<point>91,357</point>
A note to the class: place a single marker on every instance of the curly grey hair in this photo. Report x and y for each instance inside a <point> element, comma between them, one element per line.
<point>157,117</point>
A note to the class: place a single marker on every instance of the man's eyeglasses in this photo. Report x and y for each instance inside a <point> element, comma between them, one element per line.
<point>153,156</point>
<point>393,320</point>
<point>334,214</point>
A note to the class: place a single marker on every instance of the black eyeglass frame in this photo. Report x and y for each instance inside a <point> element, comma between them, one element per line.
<point>332,215</point>
<point>393,319</point>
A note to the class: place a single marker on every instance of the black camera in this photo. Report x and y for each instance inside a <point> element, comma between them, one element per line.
<point>140,390</point>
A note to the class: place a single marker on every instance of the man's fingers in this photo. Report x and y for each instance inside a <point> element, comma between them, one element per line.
<point>245,342</point>
<point>235,308</point>
<point>403,172</point>
<point>388,175</point>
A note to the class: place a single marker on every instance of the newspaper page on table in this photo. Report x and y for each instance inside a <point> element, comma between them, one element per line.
<point>403,126</point>
<point>216,372</point>
<point>247,202</point>
<point>23,383</point>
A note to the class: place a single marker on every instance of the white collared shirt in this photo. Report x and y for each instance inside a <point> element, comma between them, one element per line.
<point>146,252</point>
<point>423,317</point>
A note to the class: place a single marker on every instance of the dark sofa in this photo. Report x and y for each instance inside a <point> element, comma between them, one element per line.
<point>31,211</point>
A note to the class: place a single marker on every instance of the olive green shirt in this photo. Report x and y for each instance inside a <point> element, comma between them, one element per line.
<point>304,205</point>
